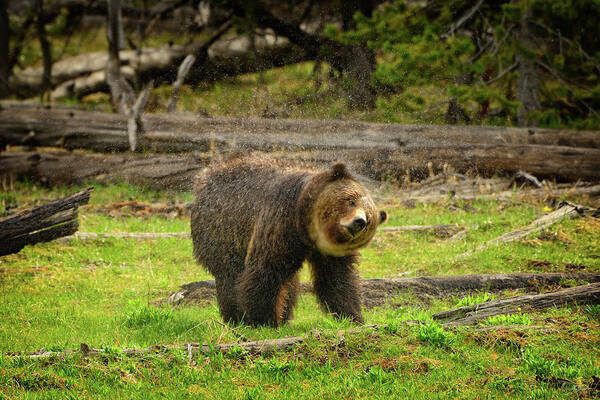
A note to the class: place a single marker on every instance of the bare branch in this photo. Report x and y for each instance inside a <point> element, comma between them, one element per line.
<point>565,210</point>
<point>184,68</point>
<point>468,315</point>
<point>134,120</point>
<point>466,16</point>
<point>501,74</point>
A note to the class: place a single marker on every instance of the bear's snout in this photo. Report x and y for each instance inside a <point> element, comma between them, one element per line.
<point>357,225</point>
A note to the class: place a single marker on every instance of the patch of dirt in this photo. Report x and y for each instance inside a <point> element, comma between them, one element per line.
<point>540,265</point>
<point>506,338</point>
<point>547,266</point>
<point>386,364</point>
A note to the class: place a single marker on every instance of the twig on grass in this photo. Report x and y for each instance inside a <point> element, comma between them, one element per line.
<point>266,346</point>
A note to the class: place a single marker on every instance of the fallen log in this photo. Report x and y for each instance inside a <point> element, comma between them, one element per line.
<point>579,295</point>
<point>98,131</point>
<point>494,189</point>
<point>265,346</point>
<point>66,168</point>
<point>49,221</point>
<point>376,292</point>
<point>174,171</point>
<point>565,210</point>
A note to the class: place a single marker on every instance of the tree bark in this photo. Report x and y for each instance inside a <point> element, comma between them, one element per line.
<point>527,82</point>
<point>119,94</point>
<point>579,295</point>
<point>376,151</point>
<point>45,46</point>
<point>49,221</point>
<point>170,172</point>
<point>73,128</point>
<point>4,50</point>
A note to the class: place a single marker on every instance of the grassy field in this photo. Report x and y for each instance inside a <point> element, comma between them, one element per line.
<point>58,295</point>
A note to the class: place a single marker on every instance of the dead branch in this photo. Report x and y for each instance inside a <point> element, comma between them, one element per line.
<point>528,177</point>
<point>502,74</point>
<point>43,223</point>
<point>464,18</point>
<point>579,295</point>
<point>184,69</point>
<point>265,346</point>
<point>135,126</point>
<point>565,210</point>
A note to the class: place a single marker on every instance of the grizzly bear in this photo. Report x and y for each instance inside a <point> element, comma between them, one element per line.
<point>254,224</point>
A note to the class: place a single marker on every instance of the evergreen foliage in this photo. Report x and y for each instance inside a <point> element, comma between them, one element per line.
<point>467,50</point>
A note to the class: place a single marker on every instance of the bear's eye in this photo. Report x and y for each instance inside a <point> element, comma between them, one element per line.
<point>352,203</point>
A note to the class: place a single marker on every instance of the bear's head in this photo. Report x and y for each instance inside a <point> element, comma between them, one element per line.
<point>342,217</point>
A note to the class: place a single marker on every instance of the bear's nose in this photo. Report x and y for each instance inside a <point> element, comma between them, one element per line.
<point>357,225</point>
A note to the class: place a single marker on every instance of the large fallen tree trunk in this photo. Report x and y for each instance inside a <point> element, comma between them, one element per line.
<point>49,221</point>
<point>375,292</point>
<point>66,168</point>
<point>579,295</point>
<point>72,128</point>
<point>176,172</point>
<point>493,189</point>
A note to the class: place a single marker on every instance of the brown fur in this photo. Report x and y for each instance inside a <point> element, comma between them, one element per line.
<point>254,223</point>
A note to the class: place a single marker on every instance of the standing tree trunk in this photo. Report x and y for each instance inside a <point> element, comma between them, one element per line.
<point>115,81</point>
<point>528,85</point>
<point>45,46</point>
<point>359,68</point>
<point>4,49</point>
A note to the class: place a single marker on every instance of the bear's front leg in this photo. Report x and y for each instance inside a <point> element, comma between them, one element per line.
<point>337,285</point>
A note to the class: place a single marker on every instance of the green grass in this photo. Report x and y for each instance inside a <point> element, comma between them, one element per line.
<point>99,292</point>
<point>509,319</point>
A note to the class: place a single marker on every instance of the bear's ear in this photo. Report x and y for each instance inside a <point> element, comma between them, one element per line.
<point>338,170</point>
<point>382,216</point>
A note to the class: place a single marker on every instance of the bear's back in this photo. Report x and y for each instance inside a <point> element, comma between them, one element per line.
<point>229,201</point>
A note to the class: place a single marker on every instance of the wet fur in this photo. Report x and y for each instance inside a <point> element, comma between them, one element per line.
<point>250,228</point>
